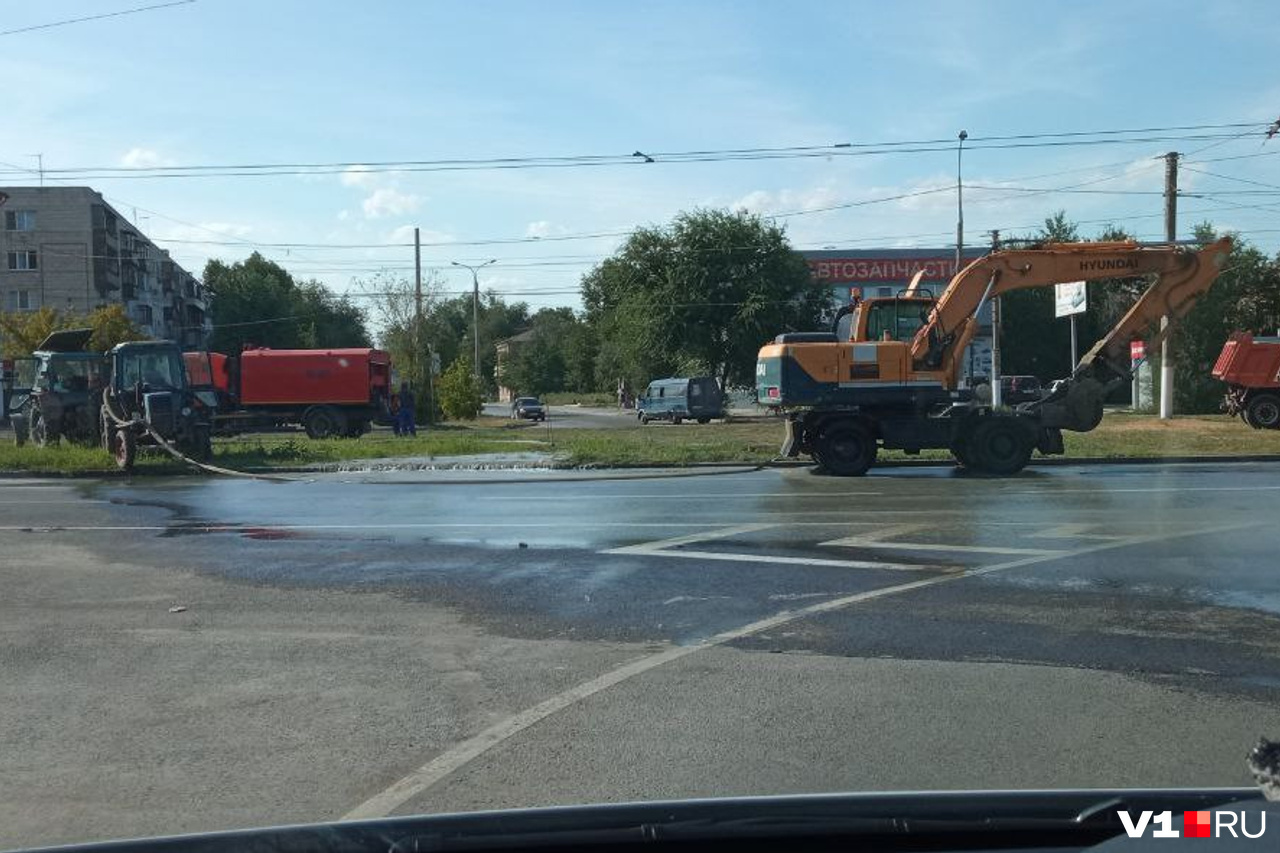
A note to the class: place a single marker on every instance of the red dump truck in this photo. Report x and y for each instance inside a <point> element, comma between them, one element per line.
<point>1251,368</point>
<point>331,392</point>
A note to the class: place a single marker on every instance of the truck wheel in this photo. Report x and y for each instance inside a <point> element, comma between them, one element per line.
<point>677,420</point>
<point>124,448</point>
<point>1000,446</point>
<point>323,422</point>
<point>1263,411</point>
<point>846,449</point>
<point>644,419</point>
<point>704,420</point>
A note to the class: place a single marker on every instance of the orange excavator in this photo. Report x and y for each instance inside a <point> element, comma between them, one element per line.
<point>894,381</point>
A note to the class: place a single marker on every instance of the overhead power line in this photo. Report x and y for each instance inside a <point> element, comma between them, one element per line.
<point>842,149</point>
<point>64,23</point>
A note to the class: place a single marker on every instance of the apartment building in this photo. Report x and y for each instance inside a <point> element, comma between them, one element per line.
<point>67,248</point>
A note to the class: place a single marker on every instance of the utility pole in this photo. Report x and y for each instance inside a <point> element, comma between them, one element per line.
<point>417,314</point>
<point>997,386</point>
<point>960,203</point>
<point>1170,234</point>
<point>475,310</point>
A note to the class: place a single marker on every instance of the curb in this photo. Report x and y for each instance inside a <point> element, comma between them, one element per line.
<point>691,469</point>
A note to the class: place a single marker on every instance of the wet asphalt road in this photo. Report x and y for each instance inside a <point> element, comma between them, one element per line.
<point>355,646</point>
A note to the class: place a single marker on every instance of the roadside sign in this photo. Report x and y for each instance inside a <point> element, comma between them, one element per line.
<point>435,364</point>
<point>1069,298</point>
<point>1137,351</point>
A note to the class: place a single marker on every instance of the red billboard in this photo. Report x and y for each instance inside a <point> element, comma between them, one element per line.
<point>835,270</point>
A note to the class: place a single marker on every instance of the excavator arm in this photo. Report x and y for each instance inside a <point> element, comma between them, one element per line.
<point>1182,276</point>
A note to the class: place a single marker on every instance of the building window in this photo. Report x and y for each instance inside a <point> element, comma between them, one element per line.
<point>19,220</point>
<point>19,300</point>
<point>143,313</point>
<point>25,260</point>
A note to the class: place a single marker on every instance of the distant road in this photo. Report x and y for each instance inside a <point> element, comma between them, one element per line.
<point>574,417</point>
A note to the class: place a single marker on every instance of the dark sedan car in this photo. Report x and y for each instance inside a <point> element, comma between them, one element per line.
<point>528,409</point>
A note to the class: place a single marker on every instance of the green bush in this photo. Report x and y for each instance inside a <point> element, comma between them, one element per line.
<point>461,395</point>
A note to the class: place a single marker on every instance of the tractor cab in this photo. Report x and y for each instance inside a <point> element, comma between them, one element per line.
<point>150,402</point>
<point>54,392</point>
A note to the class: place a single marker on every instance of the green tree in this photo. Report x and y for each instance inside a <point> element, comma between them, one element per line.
<point>461,395</point>
<point>1032,340</point>
<point>1246,297</point>
<point>702,292</point>
<point>23,331</point>
<point>256,301</point>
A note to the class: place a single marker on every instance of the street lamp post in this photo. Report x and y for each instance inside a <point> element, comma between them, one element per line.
<point>475,310</point>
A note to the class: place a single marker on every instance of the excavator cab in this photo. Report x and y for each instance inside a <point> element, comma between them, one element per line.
<point>891,318</point>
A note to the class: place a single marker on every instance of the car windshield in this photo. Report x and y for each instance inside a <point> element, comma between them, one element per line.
<point>506,405</point>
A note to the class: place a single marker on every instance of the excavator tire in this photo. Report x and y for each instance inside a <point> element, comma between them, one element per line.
<point>1263,411</point>
<point>1000,446</point>
<point>845,449</point>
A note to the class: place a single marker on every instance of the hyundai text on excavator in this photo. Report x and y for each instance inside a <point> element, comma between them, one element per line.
<point>895,381</point>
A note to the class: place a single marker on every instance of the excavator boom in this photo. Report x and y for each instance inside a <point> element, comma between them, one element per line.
<point>1182,276</point>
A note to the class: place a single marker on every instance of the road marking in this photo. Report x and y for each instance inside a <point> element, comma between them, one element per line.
<point>859,542</point>
<point>1102,492</point>
<point>591,496</point>
<point>666,548</point>
<point>690,539</point>
<point>875,538</point>
<point>1072,531</point>
<point>457,756</point>
<point>794,561</point>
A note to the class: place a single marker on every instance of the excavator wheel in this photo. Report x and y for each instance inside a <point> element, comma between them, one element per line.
<point>1263,411</point>
<point>846,449</point>
<point>1000,446</point>
<point>960,450</point>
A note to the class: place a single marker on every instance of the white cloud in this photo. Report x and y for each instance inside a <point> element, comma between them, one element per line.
<point>215,231</point>
<point>786,200</point>
<point>404,234</point>
<point>142,158</point>
<point>356,176</point>
<point>388,201</point>
<point>544,228</point>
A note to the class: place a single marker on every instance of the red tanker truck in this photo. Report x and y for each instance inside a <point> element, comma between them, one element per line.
<point>1251,368</point>
<point>331,392</point>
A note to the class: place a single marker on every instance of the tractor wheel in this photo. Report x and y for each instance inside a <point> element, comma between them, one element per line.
<point>202,444</point>
<point>20,433</point>
<point>323,422</point>
<point>42,435</point>
<point>106,429</point>
<point>124,448</point>
<point>845,449</point>
<point>1000,446</point>
<point>1263,411</point>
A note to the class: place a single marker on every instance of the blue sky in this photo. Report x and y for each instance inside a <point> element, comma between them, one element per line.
<point>238,81</point>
